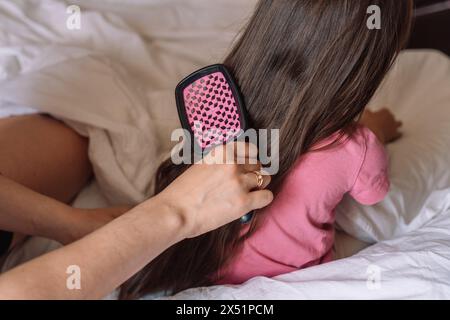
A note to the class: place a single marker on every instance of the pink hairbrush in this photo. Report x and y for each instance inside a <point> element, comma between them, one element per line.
<point>211,108</point>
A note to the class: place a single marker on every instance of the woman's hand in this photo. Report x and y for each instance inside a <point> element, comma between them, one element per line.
<point>383,124</point>
<point>205,197</point>
<point>208,196</point>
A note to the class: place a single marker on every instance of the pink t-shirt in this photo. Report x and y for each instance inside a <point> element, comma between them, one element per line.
<point>297,228</point>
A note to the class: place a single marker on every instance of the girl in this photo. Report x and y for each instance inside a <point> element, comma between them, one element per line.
<point>307,68</point>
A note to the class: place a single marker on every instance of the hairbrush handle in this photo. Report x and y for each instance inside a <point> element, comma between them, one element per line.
<point>247,218</point>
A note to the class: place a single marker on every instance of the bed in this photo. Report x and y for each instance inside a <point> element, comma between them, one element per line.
<point>432,26</point>
<point>138,51</point>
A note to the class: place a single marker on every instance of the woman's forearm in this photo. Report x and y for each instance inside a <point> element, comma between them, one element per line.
<point>106,258</point>
<point>203,198</point>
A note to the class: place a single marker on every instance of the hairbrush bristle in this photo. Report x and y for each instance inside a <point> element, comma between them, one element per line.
<point>210,106</point>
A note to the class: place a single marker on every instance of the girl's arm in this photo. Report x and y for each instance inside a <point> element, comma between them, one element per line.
<point>204,198</point>
<point>383,124</point>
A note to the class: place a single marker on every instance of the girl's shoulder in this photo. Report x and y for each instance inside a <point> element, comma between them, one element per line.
<point>342,159</point>
<point>355,142</point>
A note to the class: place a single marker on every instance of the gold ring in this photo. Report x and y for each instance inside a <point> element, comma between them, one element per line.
<point>259,179</point>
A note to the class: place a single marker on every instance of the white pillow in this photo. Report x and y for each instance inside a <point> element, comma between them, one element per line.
<point>417,90</point>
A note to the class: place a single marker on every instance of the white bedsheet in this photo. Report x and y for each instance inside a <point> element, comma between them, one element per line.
<point>414,266</point>
<point>160,41</point>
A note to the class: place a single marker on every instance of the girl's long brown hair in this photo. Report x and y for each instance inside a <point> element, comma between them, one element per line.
<point>306,67</point>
